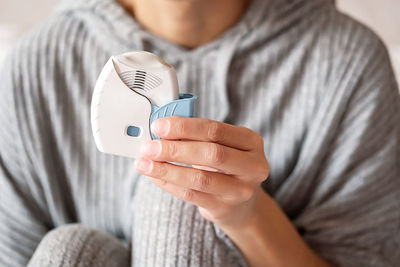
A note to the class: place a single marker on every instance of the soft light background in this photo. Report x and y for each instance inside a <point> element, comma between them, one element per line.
<point>17,16</point>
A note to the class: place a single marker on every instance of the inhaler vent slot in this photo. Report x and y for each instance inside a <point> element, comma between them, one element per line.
<point>140,80</point>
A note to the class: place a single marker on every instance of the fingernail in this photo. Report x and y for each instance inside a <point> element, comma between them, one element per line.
<point>143,165</point>
<point>151,148</point>
<point>160,127</point>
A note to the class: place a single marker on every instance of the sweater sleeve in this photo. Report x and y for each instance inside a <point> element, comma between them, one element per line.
<point>352,215</point>
<point>23,220</point>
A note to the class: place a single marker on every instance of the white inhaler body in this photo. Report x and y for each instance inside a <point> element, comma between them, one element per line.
<point>132,90</point>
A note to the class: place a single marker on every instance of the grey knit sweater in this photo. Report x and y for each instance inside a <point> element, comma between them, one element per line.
<point>315,84</point>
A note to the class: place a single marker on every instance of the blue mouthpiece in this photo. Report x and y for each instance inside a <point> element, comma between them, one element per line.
<point>184,107</point>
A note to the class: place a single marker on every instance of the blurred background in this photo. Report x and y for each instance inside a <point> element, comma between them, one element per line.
<point>17,16</point>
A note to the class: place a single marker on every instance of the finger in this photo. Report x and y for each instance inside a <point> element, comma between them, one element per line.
<point>225,159</point>
<point>197,198</point>
<point>214,183</point>
<point>198,129</point>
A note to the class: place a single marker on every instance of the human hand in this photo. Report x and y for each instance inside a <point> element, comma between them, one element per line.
<point>228,166</point>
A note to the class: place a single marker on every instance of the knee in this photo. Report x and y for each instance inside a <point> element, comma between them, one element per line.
<point>73,244</point>
<point>66,233</point>
<point>65,238</point>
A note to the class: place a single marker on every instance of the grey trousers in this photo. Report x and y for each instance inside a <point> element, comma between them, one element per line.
<point>77,245</point>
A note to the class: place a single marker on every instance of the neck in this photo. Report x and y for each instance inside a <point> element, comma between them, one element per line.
<point>188,23</point>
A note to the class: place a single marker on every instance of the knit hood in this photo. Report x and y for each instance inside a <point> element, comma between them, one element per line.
<point>119,32</point>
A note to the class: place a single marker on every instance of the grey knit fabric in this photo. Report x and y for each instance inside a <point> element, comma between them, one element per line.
<point>80,246</point>
<point>315,84</point>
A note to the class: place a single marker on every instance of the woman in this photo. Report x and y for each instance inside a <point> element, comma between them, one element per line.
<point>314,90</point>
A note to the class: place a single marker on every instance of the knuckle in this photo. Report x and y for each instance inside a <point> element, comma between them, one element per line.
<point>263,172</point>
<point>171,150</point>
<point>162,171</point>
<point>201,180</point>
<point>187,195</point>
<point>163,183</point>
<point>246,193</point>
<point>259,140</point>
<point>215,154</point>
<point>180,127</point>
<point>256,139</point>
<point>215,131</point>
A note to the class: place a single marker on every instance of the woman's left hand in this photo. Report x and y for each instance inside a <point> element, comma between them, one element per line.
<point>228,166</point>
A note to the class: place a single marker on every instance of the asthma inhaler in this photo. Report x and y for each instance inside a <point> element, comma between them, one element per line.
<point>132,91</point>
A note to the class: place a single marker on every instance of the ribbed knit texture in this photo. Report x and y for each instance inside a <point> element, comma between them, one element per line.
<point>315,84</point>
<point>79,246</point>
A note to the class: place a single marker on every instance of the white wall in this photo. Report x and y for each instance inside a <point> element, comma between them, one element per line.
<point>16,16</point>
<point>383,16</point>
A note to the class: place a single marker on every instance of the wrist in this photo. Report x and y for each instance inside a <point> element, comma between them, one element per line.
<point>250,219</point>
